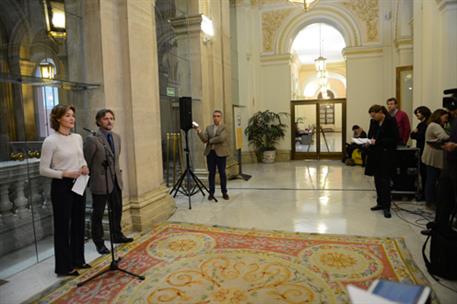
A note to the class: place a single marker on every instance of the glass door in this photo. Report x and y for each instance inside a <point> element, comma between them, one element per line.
<point>318,128</point>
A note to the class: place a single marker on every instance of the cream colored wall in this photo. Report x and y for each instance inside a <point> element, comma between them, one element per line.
<point>376,45</point>
<point>275,91</point>
<point>435,45</point>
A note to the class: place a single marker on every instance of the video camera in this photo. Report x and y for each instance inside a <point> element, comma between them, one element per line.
<point>450,102</point>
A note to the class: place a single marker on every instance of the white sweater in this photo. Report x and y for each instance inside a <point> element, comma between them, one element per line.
<point>61,153</point>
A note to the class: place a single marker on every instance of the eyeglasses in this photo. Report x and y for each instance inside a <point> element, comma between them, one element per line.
<point>216,115</point>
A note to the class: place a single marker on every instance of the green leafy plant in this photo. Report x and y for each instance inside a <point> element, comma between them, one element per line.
<point>265,129</point>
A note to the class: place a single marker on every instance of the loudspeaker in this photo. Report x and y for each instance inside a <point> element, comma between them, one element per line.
<point>185,113</point>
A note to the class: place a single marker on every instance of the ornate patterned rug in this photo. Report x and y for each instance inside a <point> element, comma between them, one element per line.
<point>188,263</point>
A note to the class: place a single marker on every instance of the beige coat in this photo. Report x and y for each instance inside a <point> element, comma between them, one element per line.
<point>94,153</point>
<point>433,156</point>
<point>218,141</point>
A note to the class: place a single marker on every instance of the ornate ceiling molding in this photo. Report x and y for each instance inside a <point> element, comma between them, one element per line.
<point>271,21</point>
<point>368,12</point>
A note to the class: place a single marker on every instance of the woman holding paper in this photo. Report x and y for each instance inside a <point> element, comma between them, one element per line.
<point>383,141</point>
<point>62,159</point>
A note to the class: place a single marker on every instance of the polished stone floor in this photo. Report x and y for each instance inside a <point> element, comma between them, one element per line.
<point>305,196</point>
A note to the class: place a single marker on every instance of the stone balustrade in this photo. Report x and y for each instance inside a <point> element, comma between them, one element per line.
<point>25,207</point>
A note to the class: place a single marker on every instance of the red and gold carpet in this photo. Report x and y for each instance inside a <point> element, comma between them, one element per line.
<point>187,263</point>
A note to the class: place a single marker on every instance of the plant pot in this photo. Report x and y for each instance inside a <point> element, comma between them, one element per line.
<point>269,157</point>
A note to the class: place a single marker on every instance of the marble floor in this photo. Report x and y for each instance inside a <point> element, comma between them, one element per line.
<point>304,196</point>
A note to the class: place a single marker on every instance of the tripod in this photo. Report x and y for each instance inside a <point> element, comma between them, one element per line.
<point>188,175</point>
<point>114,265</point>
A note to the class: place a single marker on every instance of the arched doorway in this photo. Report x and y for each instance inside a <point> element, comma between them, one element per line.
<point>318,85</point>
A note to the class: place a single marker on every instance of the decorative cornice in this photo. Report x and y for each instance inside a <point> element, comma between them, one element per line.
<point>403,42</point>
<point>362,52</point>
<point>368,12</point>
<point>446,4</point>
<point>186,25</point>
<point>276,59</point>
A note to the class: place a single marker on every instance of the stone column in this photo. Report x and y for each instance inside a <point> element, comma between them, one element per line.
<point>448,13</point>
<point>364,84</point>
<point>149,199</point>
<point>118,50</point>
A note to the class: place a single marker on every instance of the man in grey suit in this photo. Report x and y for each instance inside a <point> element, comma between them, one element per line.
<point>216,151</point>
<point>103,146</point>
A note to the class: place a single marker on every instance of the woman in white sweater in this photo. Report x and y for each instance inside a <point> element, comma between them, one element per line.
<point>433,155</point>
<point>62,159</point>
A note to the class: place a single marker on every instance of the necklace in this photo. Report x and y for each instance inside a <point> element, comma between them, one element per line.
<point>64,134</point>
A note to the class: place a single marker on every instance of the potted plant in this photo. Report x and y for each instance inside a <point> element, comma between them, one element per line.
<point>264,131</point>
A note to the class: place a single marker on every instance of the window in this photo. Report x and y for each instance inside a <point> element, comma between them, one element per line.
<point>47,97</point>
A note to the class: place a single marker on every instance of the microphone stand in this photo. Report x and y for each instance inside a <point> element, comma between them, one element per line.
<point>114,265</point>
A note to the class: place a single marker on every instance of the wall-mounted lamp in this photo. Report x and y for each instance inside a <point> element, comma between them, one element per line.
<point>207,28</point>
<point>47,70</point>
<point>54,13</point>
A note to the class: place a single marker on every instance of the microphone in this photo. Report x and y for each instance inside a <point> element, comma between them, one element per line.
<point>90,131</point>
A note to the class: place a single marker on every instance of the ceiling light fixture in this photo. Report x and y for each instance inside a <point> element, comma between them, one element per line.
<point>307,4</point>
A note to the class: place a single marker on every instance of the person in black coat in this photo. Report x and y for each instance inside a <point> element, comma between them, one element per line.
<point>422,114</point>
<point>380,162</point>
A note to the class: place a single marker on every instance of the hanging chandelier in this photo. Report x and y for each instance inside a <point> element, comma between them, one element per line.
<point>307,4</point>
<point>321,68</point>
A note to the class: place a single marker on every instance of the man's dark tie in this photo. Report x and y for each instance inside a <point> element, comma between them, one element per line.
<point>109,137</point>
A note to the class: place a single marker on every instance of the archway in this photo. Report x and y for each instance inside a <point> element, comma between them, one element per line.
<point>318,80</point>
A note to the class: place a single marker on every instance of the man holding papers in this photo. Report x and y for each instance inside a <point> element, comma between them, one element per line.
<point>62,160</point>
<point>105,145</point>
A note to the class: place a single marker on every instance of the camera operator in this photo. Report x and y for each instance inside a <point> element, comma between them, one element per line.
<point>447,192</point>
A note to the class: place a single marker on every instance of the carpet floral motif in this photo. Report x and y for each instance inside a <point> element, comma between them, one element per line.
<point>196,264</point>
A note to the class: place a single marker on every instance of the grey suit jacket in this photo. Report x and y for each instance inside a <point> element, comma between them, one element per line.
<point>219,141</point>
<point>95,155</point>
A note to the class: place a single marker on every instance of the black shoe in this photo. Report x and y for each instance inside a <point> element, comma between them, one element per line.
<point>122,239</point>
<point>225,196</point>
<point>210,197</point>
<point>377,207</point>
<point>387,213</point>
<point>102,249</point>
<point>73,273</point>
<point>84,266</point>
<point>426,232</point>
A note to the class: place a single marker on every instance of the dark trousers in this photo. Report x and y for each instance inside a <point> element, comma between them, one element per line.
<point>423,173</point>
<point>433,174</point>
<point>98,209</point>
<point>382,185</point>
<point>447,197</point>
<point>214,161</point>
<point>68,208</point>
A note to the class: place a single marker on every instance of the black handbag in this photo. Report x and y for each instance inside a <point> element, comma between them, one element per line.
<point>443,253</point>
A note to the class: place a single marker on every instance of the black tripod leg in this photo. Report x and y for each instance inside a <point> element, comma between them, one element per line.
<point>178,183</point>
<point>140,277</point>
<point>93,277</point>
<point>198,183</point>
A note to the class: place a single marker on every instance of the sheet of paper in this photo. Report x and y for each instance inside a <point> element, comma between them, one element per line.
<point>361,141</point>
<point>361,296</point>
<point>80,184</point>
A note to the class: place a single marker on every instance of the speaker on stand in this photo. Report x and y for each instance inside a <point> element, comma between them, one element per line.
<point>185,120</point>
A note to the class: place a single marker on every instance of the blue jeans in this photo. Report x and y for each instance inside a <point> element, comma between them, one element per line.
<point>433,175</point>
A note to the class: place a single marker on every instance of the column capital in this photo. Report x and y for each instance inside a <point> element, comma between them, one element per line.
<point>186,25</point>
